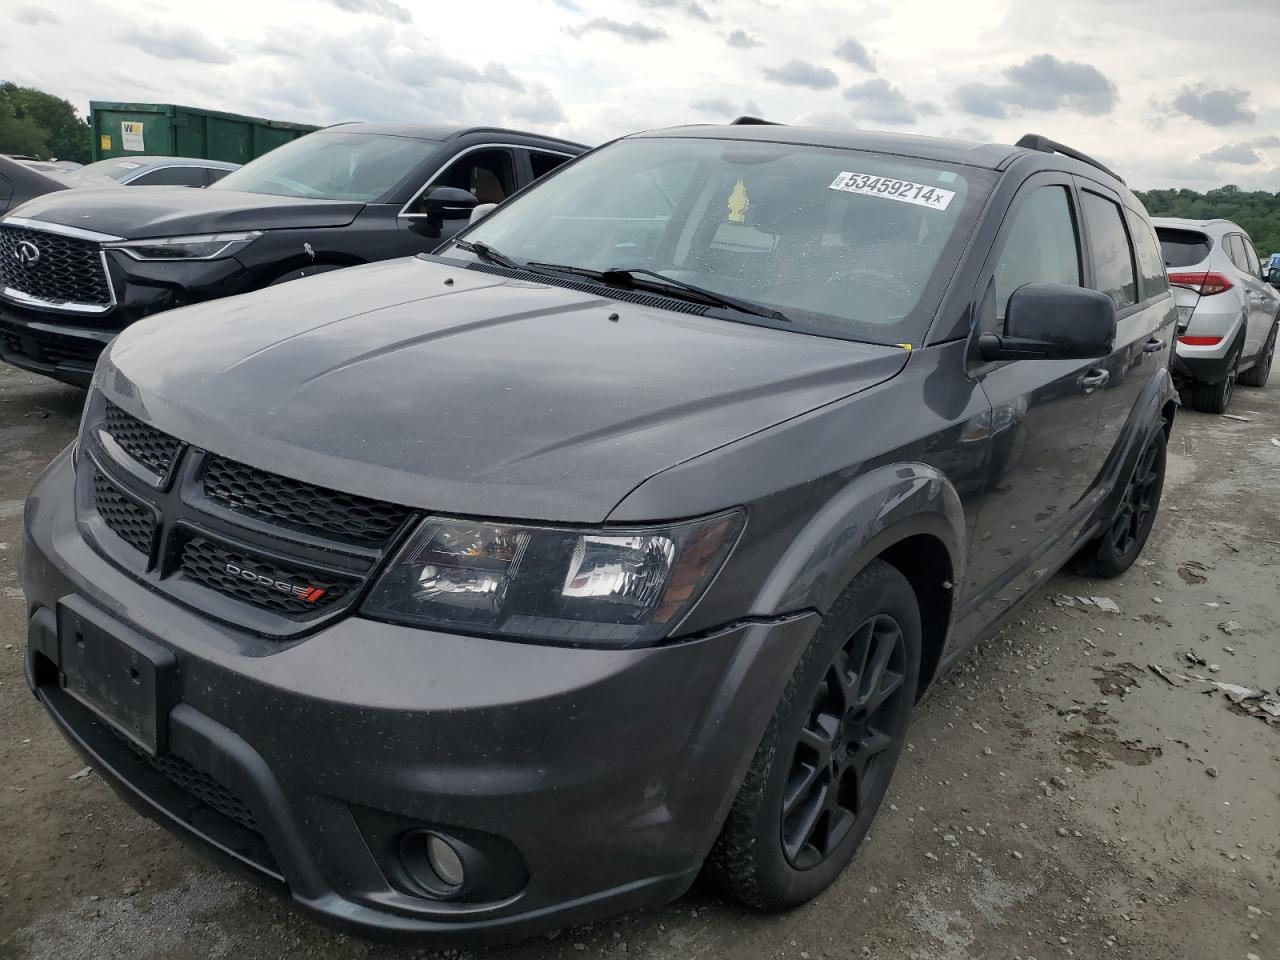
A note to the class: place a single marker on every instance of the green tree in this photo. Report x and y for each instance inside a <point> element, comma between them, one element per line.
<point>65,134</point>
<point>20,135</point>
<point>1257,211</point>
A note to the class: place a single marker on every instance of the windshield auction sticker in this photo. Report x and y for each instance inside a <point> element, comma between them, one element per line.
<point>904,191</point>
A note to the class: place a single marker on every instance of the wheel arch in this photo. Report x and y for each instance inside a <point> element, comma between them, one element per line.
<point>907,514</point>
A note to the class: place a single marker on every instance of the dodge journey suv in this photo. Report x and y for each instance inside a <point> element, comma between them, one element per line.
<point>475,593</point>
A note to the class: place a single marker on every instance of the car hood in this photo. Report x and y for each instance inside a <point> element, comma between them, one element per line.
<point>144,212</point>
<point>451,389</point>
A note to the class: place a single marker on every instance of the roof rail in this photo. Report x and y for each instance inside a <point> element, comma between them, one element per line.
<point>753,121</point>
<point>1034,141</point>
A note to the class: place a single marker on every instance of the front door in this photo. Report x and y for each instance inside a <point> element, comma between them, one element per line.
<point>488,173</point>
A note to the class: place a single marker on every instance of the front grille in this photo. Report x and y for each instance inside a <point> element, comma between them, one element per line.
<point>152,448</point>
<point>205,789</point>
<point>205,562</point>
<point>300,506</point>
<point>130,521</point>
<point>67,270</point>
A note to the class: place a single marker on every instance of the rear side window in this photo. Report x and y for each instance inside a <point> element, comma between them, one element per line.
<point>1235,250</point>
<point>1113,271</point>
<point>1150,260</point>
<point>1183,248</point>
<point>1255,267</point>
<point>1040,247</point>
<point>171,177</point>
<point>544,163</point>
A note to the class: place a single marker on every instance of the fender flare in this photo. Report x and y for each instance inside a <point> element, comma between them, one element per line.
<point>872,513</point>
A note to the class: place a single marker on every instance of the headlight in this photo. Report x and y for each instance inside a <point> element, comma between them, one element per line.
<point>212,246</point>
<point>603,587</point>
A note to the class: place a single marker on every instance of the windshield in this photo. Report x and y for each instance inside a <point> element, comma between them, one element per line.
<point>843,243</point>
<point>115,169</point>
<point>332,166</point>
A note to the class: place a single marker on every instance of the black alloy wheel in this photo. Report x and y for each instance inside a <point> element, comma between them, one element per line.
<point>1118,547</point>
<point>1141,497</point>
<point>856,715</point>
<point>825,760</point>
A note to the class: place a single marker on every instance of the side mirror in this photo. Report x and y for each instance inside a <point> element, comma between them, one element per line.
<point>481,211</point>
<point>1050,321</point>
<point>1273,276</point>
<point>450,203</point>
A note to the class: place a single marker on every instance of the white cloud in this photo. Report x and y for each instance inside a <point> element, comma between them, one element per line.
<point>595,69</point>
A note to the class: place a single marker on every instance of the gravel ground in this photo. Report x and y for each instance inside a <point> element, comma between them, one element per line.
<point>1058,798</point>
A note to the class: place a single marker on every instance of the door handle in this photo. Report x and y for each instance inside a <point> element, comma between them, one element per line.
<point>1153,345</point>
<point>1091,380</point>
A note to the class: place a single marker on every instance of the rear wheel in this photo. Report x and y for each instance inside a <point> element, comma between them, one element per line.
<point>1215,397</point>
<point>828,754</point>
<point>1114,552</point>
<point>1256,376</point>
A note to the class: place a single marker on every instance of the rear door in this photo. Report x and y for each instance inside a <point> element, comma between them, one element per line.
<point>1044,412</point>
<point>541,162</point>
<point>1144,324</point>
<point>1263,301</point>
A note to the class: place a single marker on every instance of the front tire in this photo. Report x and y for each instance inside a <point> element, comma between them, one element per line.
<point>828,754</point>
<point>1115,551</point>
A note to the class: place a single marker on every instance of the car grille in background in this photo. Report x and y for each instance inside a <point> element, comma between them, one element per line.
<point>152,448</point>
<point>206,562</point>
<point>130,521</point>
<point>68,270</point>
<point>300,506</point>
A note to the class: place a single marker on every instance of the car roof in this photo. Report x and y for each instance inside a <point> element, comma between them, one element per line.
<point>146,161</point>
<point>989,155</point>
<point>1183,223</point>
<point>439,131</point>
<point>1033,152</point>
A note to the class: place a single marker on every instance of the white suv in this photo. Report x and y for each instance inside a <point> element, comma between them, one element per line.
<point>1227,312</point>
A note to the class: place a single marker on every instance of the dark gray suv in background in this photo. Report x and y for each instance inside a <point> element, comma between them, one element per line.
<point>477,593</point>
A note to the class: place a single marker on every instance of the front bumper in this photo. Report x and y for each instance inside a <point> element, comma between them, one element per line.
<point>65,344</point>
<point>593,781</point>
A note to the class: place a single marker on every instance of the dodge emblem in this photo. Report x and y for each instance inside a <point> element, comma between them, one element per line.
<point>27,253</point>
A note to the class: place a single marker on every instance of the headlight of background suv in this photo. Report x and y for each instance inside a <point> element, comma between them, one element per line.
<point>602,587</point>
<point>211,246</point>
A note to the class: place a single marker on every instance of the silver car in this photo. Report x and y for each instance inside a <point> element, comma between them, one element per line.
<point>1227,312</point>
<point>151,171</point>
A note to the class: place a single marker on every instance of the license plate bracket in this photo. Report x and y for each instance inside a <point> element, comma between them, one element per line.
<point>124,678</point>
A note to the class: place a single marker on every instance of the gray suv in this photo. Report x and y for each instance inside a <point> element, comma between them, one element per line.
<point>475,593</point>
<point>1227,311</point>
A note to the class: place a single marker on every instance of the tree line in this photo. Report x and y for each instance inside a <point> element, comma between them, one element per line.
<point>1256,210</point>
<point>38,124</point>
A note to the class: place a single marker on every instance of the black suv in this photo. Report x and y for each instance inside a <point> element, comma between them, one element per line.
<point>77,268</point>
<point>475,593</point>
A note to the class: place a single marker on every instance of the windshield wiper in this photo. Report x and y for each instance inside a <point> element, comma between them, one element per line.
<point>486,252</point>
<point>661,283</point>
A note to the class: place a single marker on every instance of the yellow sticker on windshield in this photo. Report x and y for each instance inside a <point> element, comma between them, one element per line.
<point>739,203</point>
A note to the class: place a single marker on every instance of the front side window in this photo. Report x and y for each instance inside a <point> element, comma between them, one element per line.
<point>544,163</point>
<point>1113,272</point>
<point>1040,247</point>
<point>1150,258</point>
<point>330,165</point>
<point>488,175</point>
<point>844,243</point>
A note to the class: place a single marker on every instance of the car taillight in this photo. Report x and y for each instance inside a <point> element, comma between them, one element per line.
<point>1200,341</point>
<point>1205,284</point>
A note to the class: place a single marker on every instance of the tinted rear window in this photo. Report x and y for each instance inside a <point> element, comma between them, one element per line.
<point>1183,248</point>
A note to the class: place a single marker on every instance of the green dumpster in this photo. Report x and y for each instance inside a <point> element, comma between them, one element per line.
<point>168,130</point>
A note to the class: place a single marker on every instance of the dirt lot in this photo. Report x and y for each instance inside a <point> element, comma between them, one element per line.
<point>1058,797</point>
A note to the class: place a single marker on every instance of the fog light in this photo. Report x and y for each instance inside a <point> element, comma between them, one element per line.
<point>438,864</point>
<point>444,860</point>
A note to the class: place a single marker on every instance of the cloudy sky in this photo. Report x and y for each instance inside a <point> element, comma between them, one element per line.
<point>1170,92</point>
